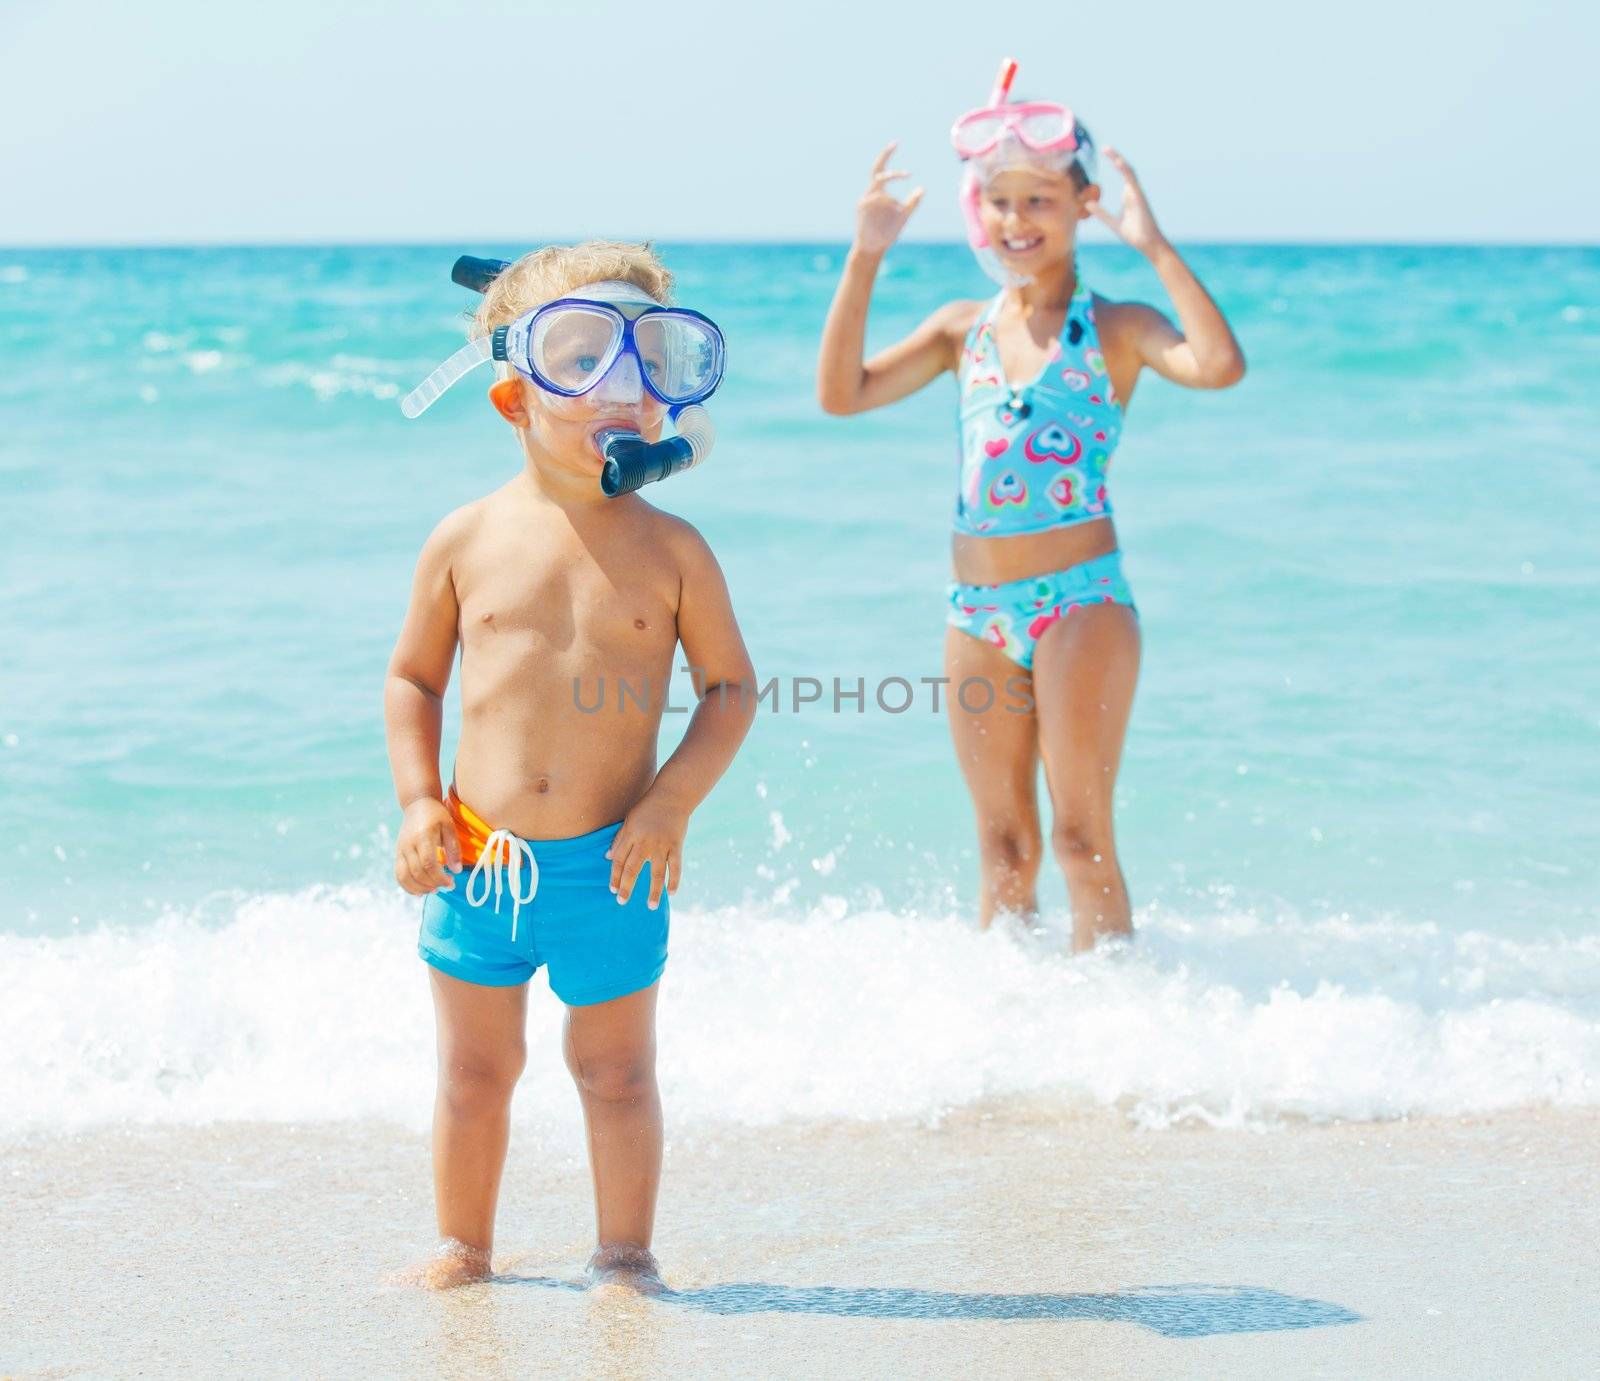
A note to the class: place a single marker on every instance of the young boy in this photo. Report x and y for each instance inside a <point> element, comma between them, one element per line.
<point>556,595</point>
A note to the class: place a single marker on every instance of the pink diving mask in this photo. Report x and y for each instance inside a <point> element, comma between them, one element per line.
<point>1028,134</point>
<point>1042,126</point>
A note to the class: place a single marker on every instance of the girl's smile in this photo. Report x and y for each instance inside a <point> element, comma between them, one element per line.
<point>1031,215</point>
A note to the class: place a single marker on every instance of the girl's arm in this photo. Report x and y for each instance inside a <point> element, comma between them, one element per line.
<point>1204,354</point>
<point>846,382</point>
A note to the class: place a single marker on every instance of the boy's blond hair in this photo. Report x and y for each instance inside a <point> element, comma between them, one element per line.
<point>556,270</point>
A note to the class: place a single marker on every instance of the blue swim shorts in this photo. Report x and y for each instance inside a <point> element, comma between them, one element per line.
<point>532,903</point>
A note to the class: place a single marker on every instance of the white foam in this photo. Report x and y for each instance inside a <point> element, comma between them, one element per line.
<point>313,1006</point>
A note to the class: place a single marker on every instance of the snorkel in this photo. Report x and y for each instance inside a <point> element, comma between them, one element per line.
<point>632,461</point>
<point>685,367</point>
<point>477,274</point>
<point>1039,135</point>
<point>972,192</point>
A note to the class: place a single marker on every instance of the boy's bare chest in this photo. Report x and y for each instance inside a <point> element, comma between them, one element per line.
<point>556,604</point>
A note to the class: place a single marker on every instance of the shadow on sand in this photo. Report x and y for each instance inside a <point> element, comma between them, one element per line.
<point>1174,1311</point>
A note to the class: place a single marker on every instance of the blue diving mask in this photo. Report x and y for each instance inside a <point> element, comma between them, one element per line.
<point>608,343</point>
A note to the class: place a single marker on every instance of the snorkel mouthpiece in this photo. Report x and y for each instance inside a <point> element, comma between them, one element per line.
<point>632,462</point>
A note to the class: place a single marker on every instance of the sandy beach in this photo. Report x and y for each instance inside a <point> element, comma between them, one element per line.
<point>1006,1240</point>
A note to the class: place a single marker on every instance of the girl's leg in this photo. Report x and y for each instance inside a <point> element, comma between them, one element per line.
<point>481,1055</point>
<point>998,752</point>
<point>611,1051</point>
<point>1084,672</point>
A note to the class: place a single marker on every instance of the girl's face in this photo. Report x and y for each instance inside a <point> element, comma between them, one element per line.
<point>1031,218</point>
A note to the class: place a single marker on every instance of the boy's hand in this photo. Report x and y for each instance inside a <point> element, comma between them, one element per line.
<point>652,832</point>
<point>426,830</point>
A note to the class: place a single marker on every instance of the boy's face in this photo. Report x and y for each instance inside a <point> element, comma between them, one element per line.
<point>561,432</point>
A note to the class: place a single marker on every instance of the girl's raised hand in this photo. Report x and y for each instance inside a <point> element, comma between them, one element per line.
<point>880,216</point>
<point>1134,223</point>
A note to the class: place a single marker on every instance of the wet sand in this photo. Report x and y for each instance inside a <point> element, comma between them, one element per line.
<point>1013,1240</point>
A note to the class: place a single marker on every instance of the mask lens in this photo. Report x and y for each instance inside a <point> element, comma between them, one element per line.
<point>574,346</point>
<point>1043,128</point>
<point>681,354</point>
<point>977,133</point>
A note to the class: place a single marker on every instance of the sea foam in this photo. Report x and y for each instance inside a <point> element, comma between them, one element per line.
<point>313,1006</point>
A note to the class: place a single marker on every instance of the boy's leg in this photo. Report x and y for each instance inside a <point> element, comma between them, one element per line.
<point>611,1051</point>
<point>482,1050</point>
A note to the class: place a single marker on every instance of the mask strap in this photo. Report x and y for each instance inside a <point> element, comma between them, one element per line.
<point>464,361</point>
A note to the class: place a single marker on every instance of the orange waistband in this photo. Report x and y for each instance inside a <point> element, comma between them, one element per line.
<point>471,832</point>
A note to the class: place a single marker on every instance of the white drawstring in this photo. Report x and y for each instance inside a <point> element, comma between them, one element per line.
<point>500,849</point>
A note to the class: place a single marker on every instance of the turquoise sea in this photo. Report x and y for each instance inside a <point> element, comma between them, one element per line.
<point>1357,808</point>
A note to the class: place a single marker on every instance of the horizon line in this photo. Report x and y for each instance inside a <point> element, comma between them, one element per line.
<point>761,242</point>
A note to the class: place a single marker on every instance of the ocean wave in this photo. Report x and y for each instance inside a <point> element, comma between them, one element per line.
<point>1231,1020</point>
<point>329,382</point>
<point>313,1006</point>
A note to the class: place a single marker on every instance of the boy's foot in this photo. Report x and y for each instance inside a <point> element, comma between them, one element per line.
<point>626,1267</point>
<point>453,1263</point>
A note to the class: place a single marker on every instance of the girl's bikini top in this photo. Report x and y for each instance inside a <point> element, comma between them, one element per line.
<point>1035,457</point>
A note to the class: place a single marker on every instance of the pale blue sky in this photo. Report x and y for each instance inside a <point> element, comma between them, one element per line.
<point>177,121</point>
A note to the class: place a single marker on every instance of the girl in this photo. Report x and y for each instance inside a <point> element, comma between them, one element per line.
<point>1046,371</point>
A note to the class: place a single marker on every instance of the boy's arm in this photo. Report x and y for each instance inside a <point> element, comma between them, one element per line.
<point>413,711</point>
<point>725,686</point>
<point>724,680</point>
